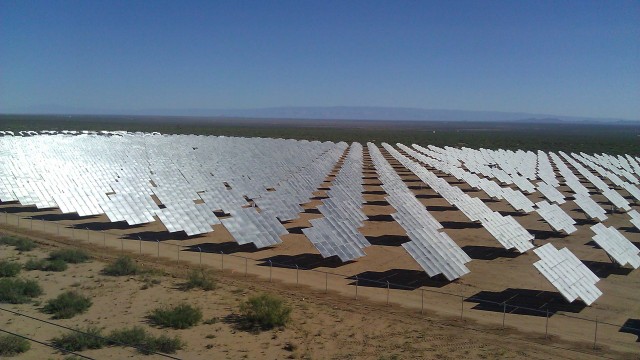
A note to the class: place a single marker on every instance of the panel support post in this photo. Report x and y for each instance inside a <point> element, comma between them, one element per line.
<point>121,245</point>
<point>270,269</point>
<point>546,326</point>
<point>421,301</point>
<point>297,277</point>
<point>326,282</point>
<point>387,292</point>
<point>595,335</point>
<point>246,267</point>
<point>199,249</point>
<point>356,287</point>
<point>461,306</point>
<point>504,312</point>
<point>222,262</point>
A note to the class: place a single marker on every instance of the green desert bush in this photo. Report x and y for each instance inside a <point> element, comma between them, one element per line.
<point>11,345</point>
<point>46,265</point>
<point>146,342</point>
<point>265,311</point>
<point>133,336</point>
<point>199,278</point>
<point>71,256</point>
<point>21,244</point>
<point>18,291</point>
<point>90,338</point>
<point>9,268</point>
<point>122,266</point>
<point>164,344</point>
<point>181,316</point>
<point>67,305</point>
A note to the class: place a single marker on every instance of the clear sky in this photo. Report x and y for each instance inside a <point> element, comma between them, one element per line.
<point>577,58</point>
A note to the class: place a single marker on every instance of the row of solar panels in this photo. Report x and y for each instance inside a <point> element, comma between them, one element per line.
<point>336,233</point>
<point>432,249</point>
<point>564,271</point>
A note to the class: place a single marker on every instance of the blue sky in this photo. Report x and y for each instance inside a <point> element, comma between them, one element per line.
<point>578,58</point>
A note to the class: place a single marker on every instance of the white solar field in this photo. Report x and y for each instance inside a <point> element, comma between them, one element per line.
<point>259,186</point>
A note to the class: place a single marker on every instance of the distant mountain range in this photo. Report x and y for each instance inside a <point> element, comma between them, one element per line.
<point>331,113</point>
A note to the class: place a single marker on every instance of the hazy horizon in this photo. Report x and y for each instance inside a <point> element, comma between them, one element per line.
<point>328,113</point>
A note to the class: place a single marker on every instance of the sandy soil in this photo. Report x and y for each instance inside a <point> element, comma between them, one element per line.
<point>335,325</point>
<point>323,327</point>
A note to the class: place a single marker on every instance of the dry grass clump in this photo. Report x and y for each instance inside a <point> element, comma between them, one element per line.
<point>181,316</point>
<point>122,266</point>
<point>21,244</point>
<point>67,305</point>
<point>11,345</point>
<point>18,291</point>
<point>265,311</point>
<point>9,268</point>
<point>145,342</point>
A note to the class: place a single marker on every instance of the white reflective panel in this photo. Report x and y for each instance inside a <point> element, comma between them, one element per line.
<point>432,249</point>
<point>616,245</point>
<point>128,175</point>
<point>590,207</point>
<point>556,217</point>
<point>567,274</point>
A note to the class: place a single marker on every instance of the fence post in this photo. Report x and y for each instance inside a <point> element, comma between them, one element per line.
<point>387,292</point>
<point>270,269</point>
<point>178,252</point>
<point>245,267</point>
<point>158,241</point>
<point>222,262</point>
<point>546,326</point>
<point>122,245</point>
<point>356,287</point>
<point>58,229</point>
<point>462,306</point>
<point>326,282</point>
<point>421,301</point>
<point>18,221</point>
<point>200,255</point>
<point>504,312</point>
<point>104,238</point>
<point>31,223</point>
<point>88,235</point>
<point>297,283</point>
<point>595,335</point>
<point>140,244</point>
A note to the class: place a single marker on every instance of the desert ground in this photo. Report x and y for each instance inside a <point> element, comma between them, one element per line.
<point>343,310</point>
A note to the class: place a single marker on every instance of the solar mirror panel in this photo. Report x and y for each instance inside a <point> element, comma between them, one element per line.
<point>616,245</point>
<point>567,274</point>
